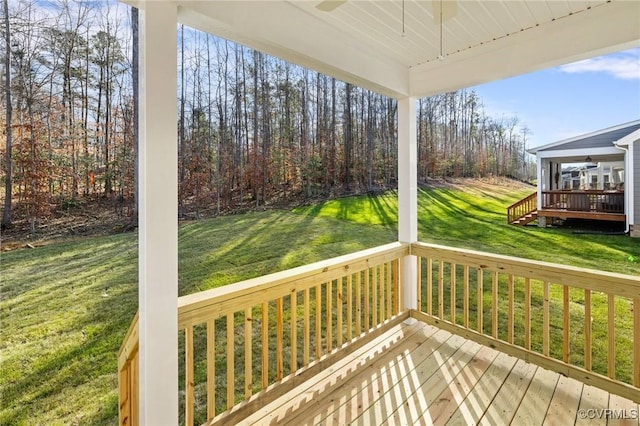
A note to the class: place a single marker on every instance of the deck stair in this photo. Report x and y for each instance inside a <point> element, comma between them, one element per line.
<point>523,211</point>
<point>530,217</point>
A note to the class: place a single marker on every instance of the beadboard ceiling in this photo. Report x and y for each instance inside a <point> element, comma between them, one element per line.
<point>408,48</point>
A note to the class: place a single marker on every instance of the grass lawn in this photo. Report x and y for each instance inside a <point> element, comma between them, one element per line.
<point>65,307</point>
<point>475,218</point>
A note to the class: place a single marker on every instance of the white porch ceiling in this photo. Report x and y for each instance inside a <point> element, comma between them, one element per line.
<point>362,42</point>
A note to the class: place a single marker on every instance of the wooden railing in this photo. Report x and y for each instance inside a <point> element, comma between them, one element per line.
<point>581,323</point>
<point>128,376</point>
<point>243,338</point>
<point>526,206</point>
<point>592,200</point>
<point>245,344</point>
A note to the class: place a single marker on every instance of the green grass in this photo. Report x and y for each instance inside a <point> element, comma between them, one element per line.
<point>476,219</point>
<point>66,307</point>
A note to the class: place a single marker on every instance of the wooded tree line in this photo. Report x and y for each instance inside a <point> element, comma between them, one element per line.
<point>252,129</point>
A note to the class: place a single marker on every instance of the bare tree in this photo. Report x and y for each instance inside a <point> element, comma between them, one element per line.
<point>6,214</point>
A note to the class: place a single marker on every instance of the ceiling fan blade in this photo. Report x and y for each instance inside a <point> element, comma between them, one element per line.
<point>449,9</point>
<point>330,5</point>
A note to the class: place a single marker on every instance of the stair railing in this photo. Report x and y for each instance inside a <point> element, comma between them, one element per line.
<point>522,208</point>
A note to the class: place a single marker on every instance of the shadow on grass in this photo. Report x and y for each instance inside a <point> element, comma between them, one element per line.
<point>382,210</point>
<point>222,251</point>
<point>62,364</point>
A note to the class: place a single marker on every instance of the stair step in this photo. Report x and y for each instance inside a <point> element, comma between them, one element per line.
<point>529,217</point>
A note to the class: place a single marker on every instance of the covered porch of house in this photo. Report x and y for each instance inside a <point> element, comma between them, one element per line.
<point>220,355</point>
<point>598,191</point>
<point>593,190</point>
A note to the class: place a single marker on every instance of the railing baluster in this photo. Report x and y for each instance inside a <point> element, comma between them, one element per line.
<point>566,346</point>
<point>307,337</point>
<point>211,369</point>
<point>294,331</point>
<point>396,288</point>
<point>374,296</point>
<point>265,345</point>
<point>381,294</point>
<point>339,306</point>
<point>318,323</point>
<point>188,377</point>
<point>135,387</point>
<point>329,289</point>
<point>430,286</point>
<point>465,297</point>
<point>349,307</point>
<point>480,297</point>
<point>400,285</point>
<point>230,361</point>
<point>279,339</point>
<point>527,313</point>
<point>452,293</point>
<point>587,330</point>
<point>419,282</point>
<point>545,318</point>
<point>511,314</point>
<point>636,342</point>
<point>441,289</point>
<point>611,323</point>
<point>389,267</point>
<point>494,305</point>
<point>248,348</point>
<point>366,301</point>
<point>358,304</point>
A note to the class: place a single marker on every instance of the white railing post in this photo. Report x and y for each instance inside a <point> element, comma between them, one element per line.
<point>158,216</point>
<point>408,194</point>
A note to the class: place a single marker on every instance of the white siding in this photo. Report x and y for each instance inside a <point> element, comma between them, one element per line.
<point>636,182</point>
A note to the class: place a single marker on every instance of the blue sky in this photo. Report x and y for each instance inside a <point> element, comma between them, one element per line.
<point>570,100</point>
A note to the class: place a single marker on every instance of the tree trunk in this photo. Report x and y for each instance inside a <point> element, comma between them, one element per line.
<point>135,64</point>
<point>348,136</point>
<point>6,215</point>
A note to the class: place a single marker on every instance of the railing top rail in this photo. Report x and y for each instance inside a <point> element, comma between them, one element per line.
<point>591,279</point>
<point>585,191</point>
<point>353,262</point>
<point>525,199</point>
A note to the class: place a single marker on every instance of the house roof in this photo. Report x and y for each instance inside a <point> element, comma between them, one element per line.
<point>419,48</point>
<point>604,138</point>
<point>631,137</point>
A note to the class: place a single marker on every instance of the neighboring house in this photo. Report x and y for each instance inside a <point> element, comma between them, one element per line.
<point>571,177</point>
<point>604,185</point>
<point>605,175</point>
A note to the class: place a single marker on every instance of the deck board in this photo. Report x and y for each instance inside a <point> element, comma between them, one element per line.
<point>418,374</point>
<point>537,398</point>
<point>476,402</point>
<point>564,404</point>
<point>504,405</point>
<point>439,412</point>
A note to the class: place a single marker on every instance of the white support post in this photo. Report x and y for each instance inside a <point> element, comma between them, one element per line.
<point>541,179</point>
<point>408,193</point>
<point>158,216</point>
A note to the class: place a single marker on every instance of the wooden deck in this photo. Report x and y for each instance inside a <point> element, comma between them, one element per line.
<point>572,214</point>
<point>585,204</point>
<point>418,374</point>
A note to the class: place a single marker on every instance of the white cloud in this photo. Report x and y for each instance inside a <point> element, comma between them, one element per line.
<point>624,65</point>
